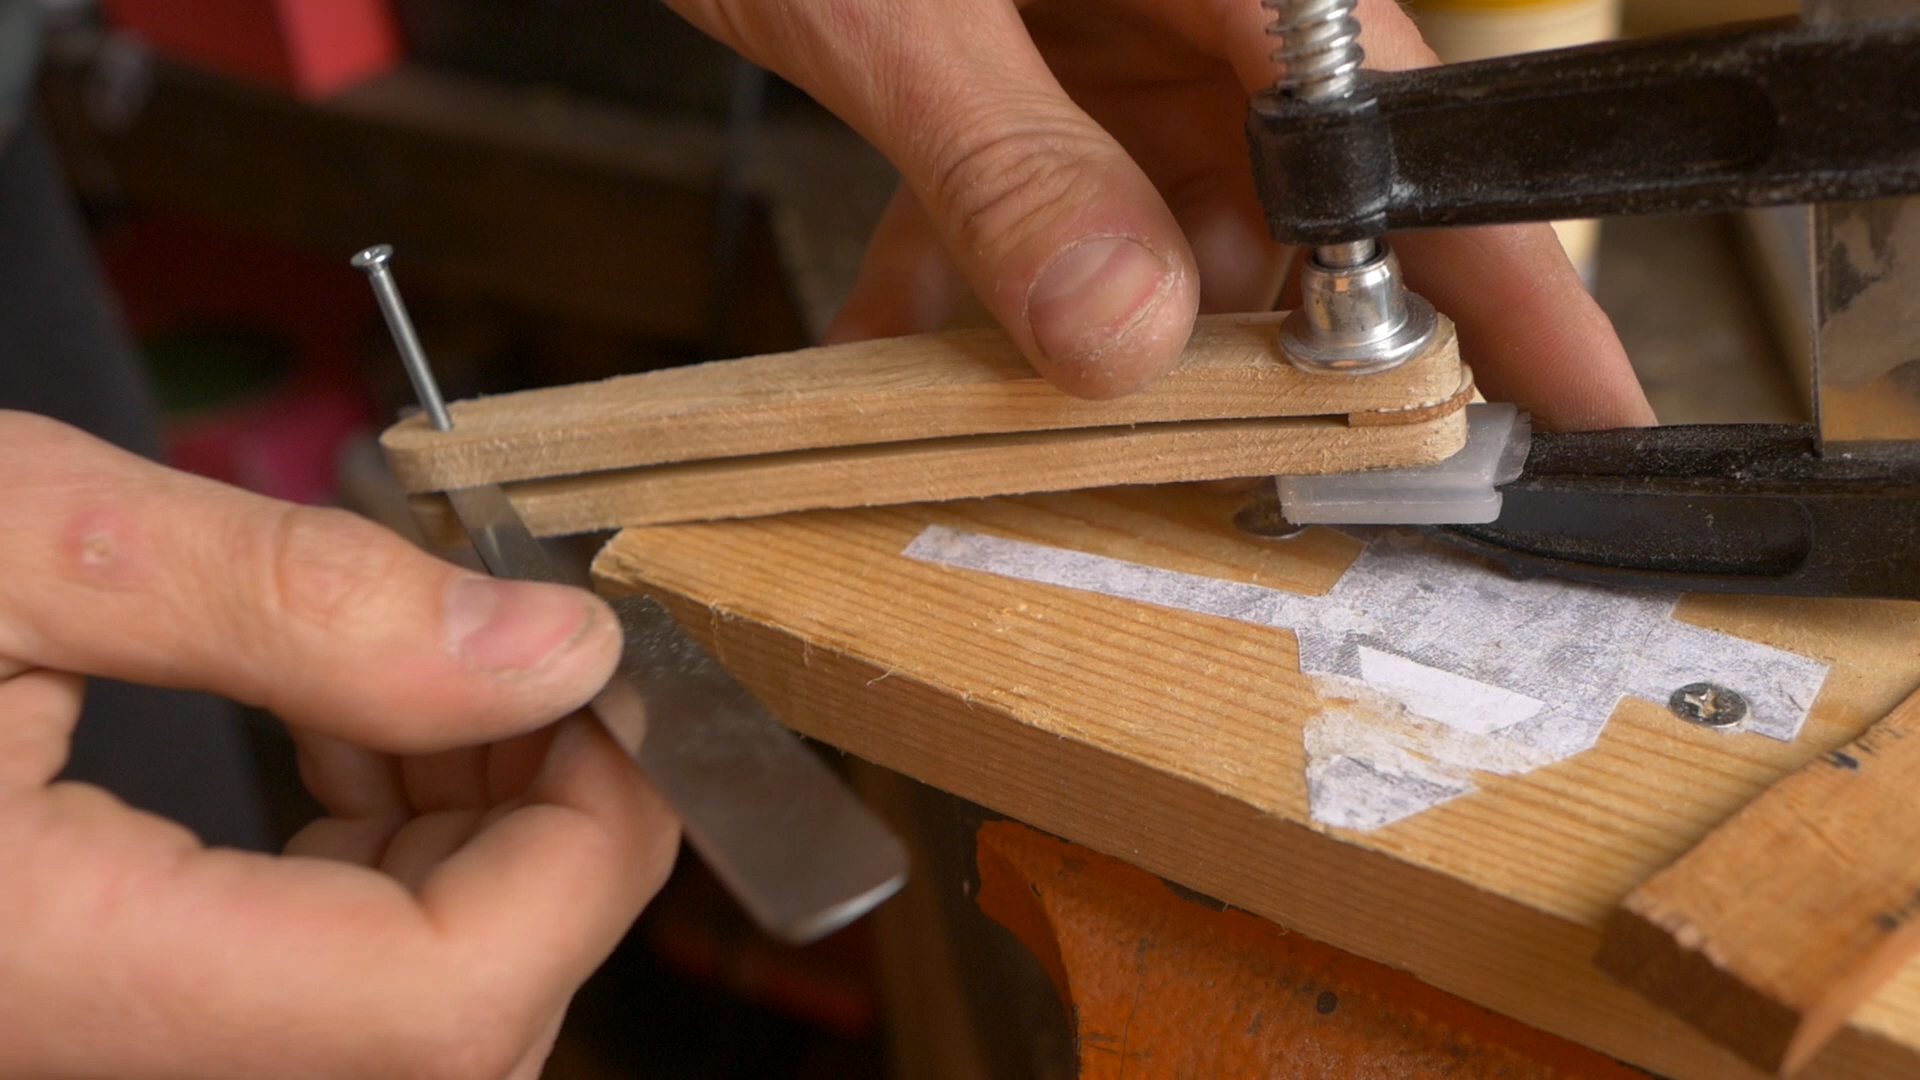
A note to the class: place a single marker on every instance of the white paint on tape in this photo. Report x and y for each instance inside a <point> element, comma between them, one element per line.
<point>1433,666</point>
<point>1454,700</point>
<point>1372,761</point>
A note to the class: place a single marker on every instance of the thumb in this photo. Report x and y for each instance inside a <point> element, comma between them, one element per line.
<point>122,568</point>
<point>1062,236</point>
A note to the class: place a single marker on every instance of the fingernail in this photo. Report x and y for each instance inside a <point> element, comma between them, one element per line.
<point>509,626</point>
<point>1089,297</point>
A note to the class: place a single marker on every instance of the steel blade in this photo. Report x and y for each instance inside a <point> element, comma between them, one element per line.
<point>793,844</point>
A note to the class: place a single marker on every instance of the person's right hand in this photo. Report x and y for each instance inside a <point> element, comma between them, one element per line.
<point>477,861</point>
<point>1081,165</point>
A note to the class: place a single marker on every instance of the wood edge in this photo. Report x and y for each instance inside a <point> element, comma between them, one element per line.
<point>434,514</point>
<point>1641,954</point>
<point>1416,413</point>
<point>406,463</point>
<point>1802,1014</point>
<point>1828,1016</point>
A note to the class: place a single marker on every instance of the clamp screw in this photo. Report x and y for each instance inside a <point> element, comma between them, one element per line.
<point>1319,52</point>
<point>1355,316</point>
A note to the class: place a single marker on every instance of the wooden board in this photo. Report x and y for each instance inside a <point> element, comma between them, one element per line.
<point>945,469</point>
<point>955,383</point>
<point>1771,930</point>
<point>1173,740</point>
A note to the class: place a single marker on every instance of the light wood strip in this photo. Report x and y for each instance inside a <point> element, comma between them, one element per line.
<point>944,469</point>
<point>1771,930</point>
<point>963,382</point>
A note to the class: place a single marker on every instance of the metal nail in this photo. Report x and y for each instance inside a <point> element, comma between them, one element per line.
<point>374,261</point>
<point>1708,705</point>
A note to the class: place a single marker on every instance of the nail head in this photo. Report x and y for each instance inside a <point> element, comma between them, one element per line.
<point>373,257</point>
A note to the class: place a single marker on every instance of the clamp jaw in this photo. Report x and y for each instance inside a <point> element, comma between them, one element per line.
<point>1779,113</point>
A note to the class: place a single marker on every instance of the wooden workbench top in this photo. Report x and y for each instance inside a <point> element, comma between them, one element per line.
<point>1174,740</point>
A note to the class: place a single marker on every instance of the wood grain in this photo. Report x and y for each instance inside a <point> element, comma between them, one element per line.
<point>962,468</point>
<point>1174,741</point>
<point>1771,930</point>
<point>955,383</point>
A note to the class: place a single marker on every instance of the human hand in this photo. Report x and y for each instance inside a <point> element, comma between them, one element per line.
<point>1081,164</point>
<point>477,861</point>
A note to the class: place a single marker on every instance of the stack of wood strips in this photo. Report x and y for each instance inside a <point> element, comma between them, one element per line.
<point>928,418</point>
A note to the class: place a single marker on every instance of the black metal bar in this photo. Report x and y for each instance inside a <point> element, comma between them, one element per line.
<point>1766,114</point>
<point>1748,508</point>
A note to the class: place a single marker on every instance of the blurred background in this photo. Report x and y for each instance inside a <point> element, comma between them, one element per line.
<point>581,188</point>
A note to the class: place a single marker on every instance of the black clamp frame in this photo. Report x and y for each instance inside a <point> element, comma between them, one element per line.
<point>1769,114</point>
<point>1765,114</point>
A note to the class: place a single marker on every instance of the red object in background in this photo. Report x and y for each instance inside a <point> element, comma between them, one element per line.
<point>698,931</point>
<point>176,273</point>
<point>311,47</point>
<point>286,447</point>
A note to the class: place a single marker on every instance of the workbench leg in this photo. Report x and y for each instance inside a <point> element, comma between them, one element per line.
<point>964,998</point>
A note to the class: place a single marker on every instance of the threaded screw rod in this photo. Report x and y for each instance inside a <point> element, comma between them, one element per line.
<point>1318,52</point>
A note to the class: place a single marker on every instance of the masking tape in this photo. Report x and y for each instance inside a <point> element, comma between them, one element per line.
<point>1432,666</point>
